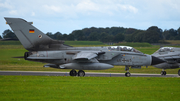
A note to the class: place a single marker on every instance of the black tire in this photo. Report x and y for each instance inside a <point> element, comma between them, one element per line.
<point>81,73</point>
<point>164,72</point>
<point>26,54</point>
<point>179,72</point>
<point>73,73</point>
<point>127,74</point>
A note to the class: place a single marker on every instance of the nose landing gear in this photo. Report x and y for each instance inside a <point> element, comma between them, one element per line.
<point>127,74</point>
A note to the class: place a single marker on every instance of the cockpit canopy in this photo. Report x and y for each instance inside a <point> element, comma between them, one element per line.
<point>166,49</point>
<point>122,48</point>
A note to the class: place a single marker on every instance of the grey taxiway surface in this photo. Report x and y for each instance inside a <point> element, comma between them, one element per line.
<point>43,73</point>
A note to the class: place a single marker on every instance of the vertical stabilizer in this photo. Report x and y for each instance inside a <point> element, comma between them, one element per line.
<point>30,37</point>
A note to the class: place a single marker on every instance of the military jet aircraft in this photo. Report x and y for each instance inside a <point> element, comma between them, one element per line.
<point>44,49</point>
<point>172,57</point>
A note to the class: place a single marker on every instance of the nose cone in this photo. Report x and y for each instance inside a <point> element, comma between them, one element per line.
<point>156,61</point>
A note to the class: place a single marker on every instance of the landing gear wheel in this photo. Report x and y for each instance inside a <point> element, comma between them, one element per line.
<point>179,72</point>
<point>73,73</point>
<point>127,74</point>
<point>81,73</point>
<point>163,72</point>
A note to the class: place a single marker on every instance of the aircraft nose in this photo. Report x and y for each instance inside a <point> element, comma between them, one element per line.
<point>156,60</point>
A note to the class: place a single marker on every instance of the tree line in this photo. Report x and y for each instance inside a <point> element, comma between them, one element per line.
<point>114,34</point>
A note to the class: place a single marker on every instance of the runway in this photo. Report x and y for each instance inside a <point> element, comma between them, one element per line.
<point>88,74</point>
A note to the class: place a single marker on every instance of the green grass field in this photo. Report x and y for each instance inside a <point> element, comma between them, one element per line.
<point>58,88</point>
<point>137,44</point>
<point>173,41</point>
<point>10,43</point>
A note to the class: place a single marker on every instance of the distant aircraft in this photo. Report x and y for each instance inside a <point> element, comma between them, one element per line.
<point>44,49</point>
<point>172,57</point>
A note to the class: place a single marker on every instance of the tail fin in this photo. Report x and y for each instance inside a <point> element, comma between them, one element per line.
<point>30,37</point>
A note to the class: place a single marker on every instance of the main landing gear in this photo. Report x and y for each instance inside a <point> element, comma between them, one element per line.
<point>74,73</point>
<point>127,74</point>
<point>163,72</point>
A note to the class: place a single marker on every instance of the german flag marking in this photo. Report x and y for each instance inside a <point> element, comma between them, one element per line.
<point>31,31</point>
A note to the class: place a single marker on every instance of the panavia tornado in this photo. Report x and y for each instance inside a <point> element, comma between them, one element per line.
<point>172,57</point>
<point>42,48</point>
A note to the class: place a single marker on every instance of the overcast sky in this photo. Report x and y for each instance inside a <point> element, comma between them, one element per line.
<point>68,15</point>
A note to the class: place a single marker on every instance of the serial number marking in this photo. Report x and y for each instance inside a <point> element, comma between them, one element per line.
<point>124,60</point>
